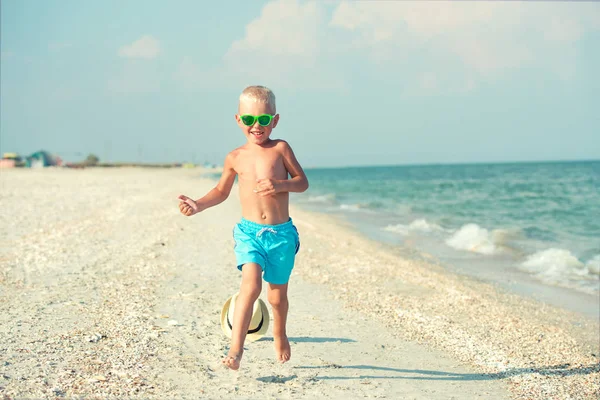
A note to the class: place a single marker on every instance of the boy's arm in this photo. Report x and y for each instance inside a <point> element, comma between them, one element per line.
<point>297,183</point>
<point>218,194</point>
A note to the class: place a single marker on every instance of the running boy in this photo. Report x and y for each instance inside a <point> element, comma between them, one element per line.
<point>266,241</point>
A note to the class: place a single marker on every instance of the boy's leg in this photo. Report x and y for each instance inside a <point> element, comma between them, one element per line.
<point>249,292</point>
<point>278,299</point>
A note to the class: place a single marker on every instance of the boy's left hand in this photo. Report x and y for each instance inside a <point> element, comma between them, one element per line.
<point>266,187</point>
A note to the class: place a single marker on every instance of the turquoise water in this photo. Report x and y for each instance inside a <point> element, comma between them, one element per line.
<point>540,219</point>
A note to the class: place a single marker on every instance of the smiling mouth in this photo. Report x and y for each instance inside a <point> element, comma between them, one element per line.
<point>257,134</point>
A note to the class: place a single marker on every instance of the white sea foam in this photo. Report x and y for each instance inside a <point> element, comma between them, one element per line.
<point>560,266</point>
<point>351,207</point>
<point>554,262</point>
<point>424,226</point>
<point>400,228</point>
<point>593,265</point>
<point>326,198</point>
<point>472,237</point>
<point>418,225</point>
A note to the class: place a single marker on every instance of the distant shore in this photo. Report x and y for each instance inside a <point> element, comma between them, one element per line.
<point>137,165</point>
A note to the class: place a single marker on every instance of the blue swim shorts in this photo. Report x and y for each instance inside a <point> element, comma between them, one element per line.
<point>273,247</point>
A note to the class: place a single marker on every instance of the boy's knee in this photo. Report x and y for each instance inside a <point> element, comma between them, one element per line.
<point>277,299</point>
<point>251,280</point>
<point>251,290</point>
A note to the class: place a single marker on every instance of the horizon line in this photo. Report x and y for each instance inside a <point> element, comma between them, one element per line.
<point>587,160</point>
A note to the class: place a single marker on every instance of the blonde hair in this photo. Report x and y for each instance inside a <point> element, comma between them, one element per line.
<point>259,94</point>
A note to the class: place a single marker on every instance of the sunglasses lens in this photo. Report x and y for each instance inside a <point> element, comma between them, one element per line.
<point>264,119</point>
<point>248,120</point>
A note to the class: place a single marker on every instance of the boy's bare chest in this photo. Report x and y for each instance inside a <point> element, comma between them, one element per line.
<point>260,166</point>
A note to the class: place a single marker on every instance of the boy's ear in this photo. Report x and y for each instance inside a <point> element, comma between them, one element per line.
<point>238,120</point>
<point>275,120</point>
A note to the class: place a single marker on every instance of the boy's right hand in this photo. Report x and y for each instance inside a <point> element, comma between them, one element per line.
<point>187,206</point>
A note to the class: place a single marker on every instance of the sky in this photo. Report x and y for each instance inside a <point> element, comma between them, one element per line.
<point>357,82</point>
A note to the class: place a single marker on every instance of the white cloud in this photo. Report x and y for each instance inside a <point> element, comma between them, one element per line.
<point>422,45</point>
<point>137,76</point>
<point>285,28</point>
<point>486,37</point>
<point>450,26</point>
<point>277,44</point>
<point>146,47</point>
<point>283,47</point>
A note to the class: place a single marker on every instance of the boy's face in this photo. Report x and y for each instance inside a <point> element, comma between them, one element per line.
<point>256,133</point>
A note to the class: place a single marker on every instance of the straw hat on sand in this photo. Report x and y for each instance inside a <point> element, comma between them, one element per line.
<point>258,324</point>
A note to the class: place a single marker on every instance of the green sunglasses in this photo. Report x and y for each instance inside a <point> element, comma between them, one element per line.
<point>263,120</point>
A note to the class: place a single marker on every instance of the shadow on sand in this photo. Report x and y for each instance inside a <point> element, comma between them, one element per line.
<point>554,370</point>
<point>276,379</point>
<point>308,339</point>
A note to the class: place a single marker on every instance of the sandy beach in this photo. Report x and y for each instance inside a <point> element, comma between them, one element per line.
<point>107,291</point>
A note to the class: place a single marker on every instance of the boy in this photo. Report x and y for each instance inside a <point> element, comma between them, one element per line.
<point>266,241</point>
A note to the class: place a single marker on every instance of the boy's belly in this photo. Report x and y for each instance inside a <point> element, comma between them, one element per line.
<point>266,210</point>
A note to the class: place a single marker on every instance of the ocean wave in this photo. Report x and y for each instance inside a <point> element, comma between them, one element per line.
<point>561,267</point>
<point>418,225</point>
<point>474,238</point>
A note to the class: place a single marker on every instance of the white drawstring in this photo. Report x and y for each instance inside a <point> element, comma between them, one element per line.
<point>263,230</point>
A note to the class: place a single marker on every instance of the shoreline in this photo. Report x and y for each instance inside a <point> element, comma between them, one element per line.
<point>495,272</point>
<point>123,299</point>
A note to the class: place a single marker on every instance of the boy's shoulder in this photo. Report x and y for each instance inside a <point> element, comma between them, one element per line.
<point>231,157</point>
<point>235,152</point>
<point>280,144</point>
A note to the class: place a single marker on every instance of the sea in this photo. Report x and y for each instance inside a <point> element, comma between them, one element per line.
<point>532,227</point>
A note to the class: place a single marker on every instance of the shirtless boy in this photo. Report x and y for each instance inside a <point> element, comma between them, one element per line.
<point>266,241</point>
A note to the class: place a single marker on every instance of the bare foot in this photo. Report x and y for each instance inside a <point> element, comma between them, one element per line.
<point>283,351</point>
<point>232,361</point>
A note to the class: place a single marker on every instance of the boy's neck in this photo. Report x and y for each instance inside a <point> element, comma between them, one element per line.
<point>267,144</point>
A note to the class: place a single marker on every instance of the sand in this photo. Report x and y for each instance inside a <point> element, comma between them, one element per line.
<point>107,291</point>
